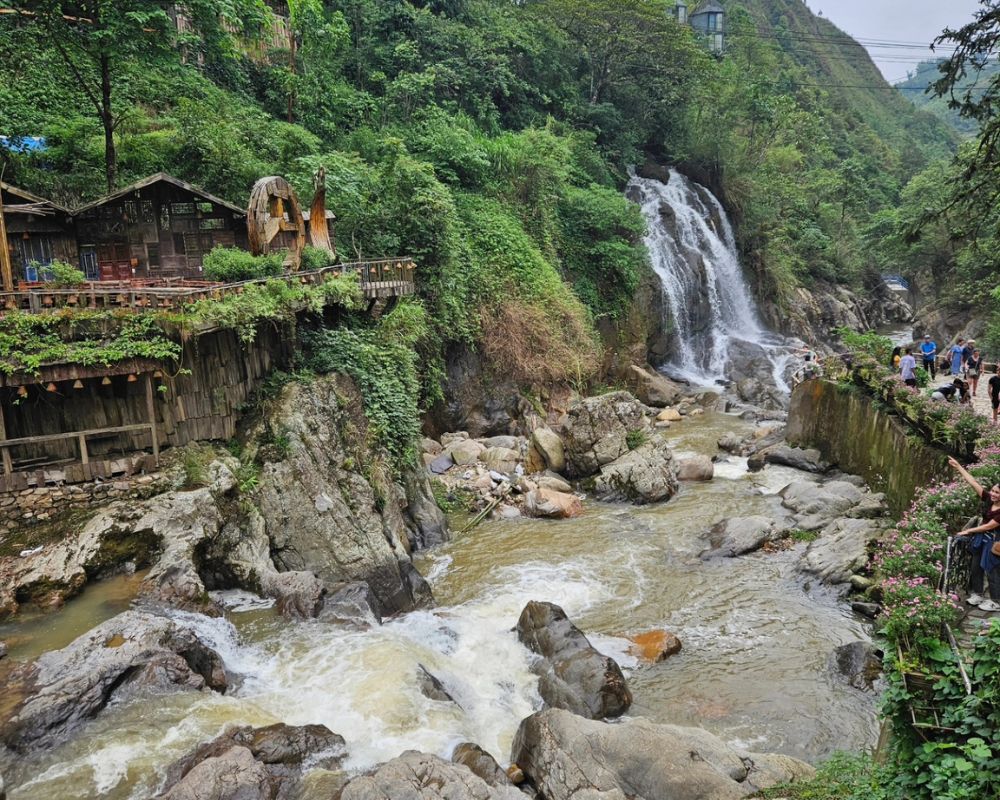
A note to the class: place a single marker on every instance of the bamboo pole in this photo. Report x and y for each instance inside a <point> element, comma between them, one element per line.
<point>151,413</point>
<point>6,271</point>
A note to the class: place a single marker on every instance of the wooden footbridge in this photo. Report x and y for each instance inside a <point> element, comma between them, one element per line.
<point>379,279</point>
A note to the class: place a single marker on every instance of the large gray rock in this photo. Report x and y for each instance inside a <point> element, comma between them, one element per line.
<point>647,474</point>
<point>652,388</point>
<point>571,758</point>
<point>817,505</point>
<point>696,468</point>
<point>550,504</point>
<point>351,604</point>
<point>859,663</point>
<point>322,513</point>
<point>597,431</point>
<point>481,763</point>
<point>572,674</point>
<point>253,764</point>
<point>841,549</point>
<point>418,776</point>
<point>134,653</point>
<point>738,535</point>
<point>500,459</point>
<point>794,457</point>
<point>424,519</point>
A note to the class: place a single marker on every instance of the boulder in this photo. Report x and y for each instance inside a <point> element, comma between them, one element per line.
<point>441,464</point>
<point>840,550</point>
<point>738,535</point>
<point>134,653</point>
<point>245,763</point>
<point>451,437</point>
<point>818,505</point>
<point>550,448</point>
<point>572,674</point>
<point>731,443</point>
<point>481,764</point>
<point>696,468</point>
<point>500,459</point>
<point>351,604</point>
<point>506,442</point>
<point>794,457</point>
<point>552,504</point>
<point>647,474</point>
<point>465,451</point>
<point>425,521</point>
<point>431,688</point>
<point>654,646</point>
<point>652,388</point>
<point>597,431</point>
<point>669,415</point>
<point>418,776</point>
<point>859,663</point>
<point>554,484</point>
<point>568,757</point>
<point>323,512</point>
<point>430,447</point>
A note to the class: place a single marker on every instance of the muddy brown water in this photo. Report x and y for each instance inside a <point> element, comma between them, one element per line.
<point>756,638</point>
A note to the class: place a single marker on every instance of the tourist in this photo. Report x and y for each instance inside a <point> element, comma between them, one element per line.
<point>908,368</point>
<point>929,352</point>
<point>985,563</point>
<point>994,388</point>
<point>955,356</point>
<point>973,369</point>
<point>950,392</point>
<point>967,352</point>
<point>897,356</point>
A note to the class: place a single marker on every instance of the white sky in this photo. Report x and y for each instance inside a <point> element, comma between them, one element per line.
<point>911,21</point>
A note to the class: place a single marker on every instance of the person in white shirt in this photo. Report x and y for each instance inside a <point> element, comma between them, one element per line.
<point>908,368</point>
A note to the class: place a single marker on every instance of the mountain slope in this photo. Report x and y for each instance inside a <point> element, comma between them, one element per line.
<point>914,89</point>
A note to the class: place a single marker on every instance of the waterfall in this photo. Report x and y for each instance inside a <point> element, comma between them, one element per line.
<point>693,251</point>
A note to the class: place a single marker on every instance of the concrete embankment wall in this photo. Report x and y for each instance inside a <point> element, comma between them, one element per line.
<point>850,431</point>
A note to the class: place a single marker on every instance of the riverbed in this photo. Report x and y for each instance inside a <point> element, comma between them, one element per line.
<point>754,667</point>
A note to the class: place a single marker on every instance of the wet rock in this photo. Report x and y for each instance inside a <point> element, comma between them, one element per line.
<point>572,674</point>
<point>3,650</point>
<point>550,448</point>
<point>508,512</point>
<point>441,464</point>
<point>870,610</point>
<point>696,468</point>
<point>571,758</point>
<point>794,457</point>
<point>500,459</point>
<point>818,505</point>
<point>598,429</point>
<point>647,474</point>
<point>669,415</point>
<point>774,769</point>
<point>360,531</point>
<point>859,663</point>
<point>555,484</point>
<point>552,504</point>
<point>131,654</point>
<point>253,764</point>
<point>424,777</point>
<point>431,688</point>
<point>731,443</point>
<point>654,646</point>
<point>481,764</point>
<point>652,388</point>
<point>351,604</point>
<point>424,520</point>
<point>739,535</point>
<point>840,550</point>
<point>299,595</point>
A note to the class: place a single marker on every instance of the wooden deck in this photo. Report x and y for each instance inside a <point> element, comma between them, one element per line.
<point>384,278</point>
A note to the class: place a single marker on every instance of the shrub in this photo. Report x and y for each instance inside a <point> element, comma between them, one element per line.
<point>315,258</point>
<point>230,265</point>
<point>60,273</point>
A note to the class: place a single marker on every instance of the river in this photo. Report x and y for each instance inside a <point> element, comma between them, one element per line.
<point>753,669</point>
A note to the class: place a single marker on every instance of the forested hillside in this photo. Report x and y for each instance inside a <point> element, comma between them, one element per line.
<point>915,89</point>
<point>489,140</point>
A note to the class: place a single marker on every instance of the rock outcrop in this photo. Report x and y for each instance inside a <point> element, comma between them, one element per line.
<point>481,764</point>
<point>597,431</point>
<point>647,474</point>
<point>568,757</point>
<point>572,674</point>
<point>424,777</point>
<point>321,513</point>
<point>253,763</point>
<point>739,535</point>
<point>133,653</point>
<point>652,388</point>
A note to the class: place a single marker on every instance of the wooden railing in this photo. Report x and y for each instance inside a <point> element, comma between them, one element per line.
<point>80,436</point>
<point>383,278</point>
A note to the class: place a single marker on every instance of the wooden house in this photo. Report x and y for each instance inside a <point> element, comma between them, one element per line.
<point>159,227</point>
<point>38,232</point>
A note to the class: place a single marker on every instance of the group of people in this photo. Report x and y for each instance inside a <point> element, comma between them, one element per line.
<point>963,361</point>
<point>983,543</point>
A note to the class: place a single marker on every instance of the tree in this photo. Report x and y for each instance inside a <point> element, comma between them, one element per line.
<point>95,38</point>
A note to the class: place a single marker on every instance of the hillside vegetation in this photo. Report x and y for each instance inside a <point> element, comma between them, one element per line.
<point>491,141</point>
<point>916,90</point>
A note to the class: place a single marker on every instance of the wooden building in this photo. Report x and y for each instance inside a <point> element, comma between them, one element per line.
<point>159,227</point>
<point>38,232</point>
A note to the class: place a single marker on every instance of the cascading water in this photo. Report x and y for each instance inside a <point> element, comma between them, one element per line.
<point>693,251</point>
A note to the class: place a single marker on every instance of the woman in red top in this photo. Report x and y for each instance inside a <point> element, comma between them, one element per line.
<point>985,562</point>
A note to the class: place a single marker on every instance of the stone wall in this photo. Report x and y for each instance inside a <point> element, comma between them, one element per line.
<point>851,432</point>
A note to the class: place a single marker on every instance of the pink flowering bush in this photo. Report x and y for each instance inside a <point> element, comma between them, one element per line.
<point>914,609</point>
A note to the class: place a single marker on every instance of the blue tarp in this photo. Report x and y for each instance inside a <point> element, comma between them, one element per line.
<point>23,144</point>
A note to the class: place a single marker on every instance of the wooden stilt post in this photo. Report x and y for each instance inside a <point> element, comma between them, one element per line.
<point>7,466</point>
<point>84,455</point>
<point>6,270</point>
<point>151,414</point>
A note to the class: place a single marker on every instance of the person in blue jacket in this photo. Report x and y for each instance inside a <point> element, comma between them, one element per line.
<point>929,352</point>
<point>983,544</point>
<point>955,354</point>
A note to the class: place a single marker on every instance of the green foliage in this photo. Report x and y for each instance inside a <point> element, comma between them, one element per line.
<point>231,265</point>
<point>636,439</point>
<point>383,362</point>
<point>453,500</point>
<point>844,776</point>
<point>247,477</point>
<point>194,466</point>
<point>314,258</point>
<point>61,274</point>
<point>868,344</point>
<point>803,536</point>
<point>89,338</point>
